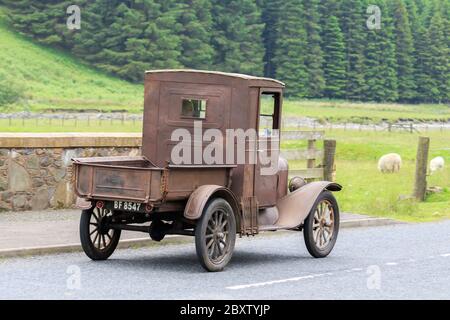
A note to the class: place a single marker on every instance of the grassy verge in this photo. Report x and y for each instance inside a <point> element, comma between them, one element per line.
<point>368,191</point>
<point>345,111</point>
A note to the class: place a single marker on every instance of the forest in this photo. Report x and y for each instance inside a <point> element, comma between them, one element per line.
<point>319,48</point>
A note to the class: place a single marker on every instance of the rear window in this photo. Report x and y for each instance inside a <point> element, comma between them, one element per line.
<point>194,108</point>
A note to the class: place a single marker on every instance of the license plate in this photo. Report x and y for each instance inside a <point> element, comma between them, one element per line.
<point>127,206</point>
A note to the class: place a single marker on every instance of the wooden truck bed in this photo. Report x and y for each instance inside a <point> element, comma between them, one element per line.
<point>137,179</point>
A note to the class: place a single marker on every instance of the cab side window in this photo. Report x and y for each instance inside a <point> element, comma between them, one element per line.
<point>268,113</point>
<point>193,108</point>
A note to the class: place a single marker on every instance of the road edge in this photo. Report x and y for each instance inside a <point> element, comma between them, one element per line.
<point>169,240</point>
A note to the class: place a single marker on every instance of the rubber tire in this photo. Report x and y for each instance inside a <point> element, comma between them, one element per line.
<point>88,247</point>
<point>200,231</point>
<point>315,251</point>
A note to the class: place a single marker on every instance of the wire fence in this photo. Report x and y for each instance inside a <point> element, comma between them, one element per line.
<point>71,121</point>
<point>123,120</point>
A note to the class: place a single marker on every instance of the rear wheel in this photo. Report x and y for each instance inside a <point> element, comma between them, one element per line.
<point>97,240</point>
<point>322,226</point>
<point>215,235</point>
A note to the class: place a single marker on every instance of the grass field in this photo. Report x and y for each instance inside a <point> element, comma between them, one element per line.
<point>52,80</point>
<point>368,191</point>
<point>344,111</point>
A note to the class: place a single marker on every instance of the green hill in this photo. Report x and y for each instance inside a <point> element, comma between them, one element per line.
<point>49,79</point>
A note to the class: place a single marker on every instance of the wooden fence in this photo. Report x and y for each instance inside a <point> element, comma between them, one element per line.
<point>408,127</point>
<point>320,163</point>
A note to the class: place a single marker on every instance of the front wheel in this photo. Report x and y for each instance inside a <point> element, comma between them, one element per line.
<point>322,226</point>
<point>97,240</point>
<point>215,235</point>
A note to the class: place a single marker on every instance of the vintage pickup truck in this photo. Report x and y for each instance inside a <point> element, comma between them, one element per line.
<point>213,202</point>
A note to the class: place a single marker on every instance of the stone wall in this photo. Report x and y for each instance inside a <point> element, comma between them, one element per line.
<point>35,169</point>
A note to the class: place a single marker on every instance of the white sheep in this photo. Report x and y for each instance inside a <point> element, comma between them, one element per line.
<point>390,163</point>
<point>436,164</point>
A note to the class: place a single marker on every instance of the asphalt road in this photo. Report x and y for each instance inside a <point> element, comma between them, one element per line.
<point>393,262</point>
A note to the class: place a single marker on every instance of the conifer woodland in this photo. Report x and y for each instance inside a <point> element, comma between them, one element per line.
<point>320,48</point>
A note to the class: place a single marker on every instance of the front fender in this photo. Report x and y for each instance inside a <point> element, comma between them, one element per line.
<point>295,207</point>
<point>198,199</point>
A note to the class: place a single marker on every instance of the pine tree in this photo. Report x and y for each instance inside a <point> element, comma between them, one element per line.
<point>437,67</point>
<point>418,32</point>
<point>238,40</point>
<point>405,52</point>
<point>271,13</point>
<point>334,66</point>
<point>196,21</point>
<point>313,53</point>
<point>328,8</point>
<point>96,20</point>
<point>381,62</point>
<point>44,20</point>
<point>446,17</point>
<point>423,60</point>
<point>354,30</point>
<point>115,52</point>
<point>290,49</point>
<point>163,35</point>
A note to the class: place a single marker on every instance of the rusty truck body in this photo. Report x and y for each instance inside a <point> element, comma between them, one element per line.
<point>214,202</point>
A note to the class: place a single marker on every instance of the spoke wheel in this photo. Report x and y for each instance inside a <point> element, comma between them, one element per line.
<point>97,240</point>
<point>215,235</point>
<point>322,226</point>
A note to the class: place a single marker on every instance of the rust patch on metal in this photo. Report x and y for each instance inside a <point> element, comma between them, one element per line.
<point>249,216</point>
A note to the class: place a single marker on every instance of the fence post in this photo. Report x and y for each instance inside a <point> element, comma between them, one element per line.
<point>311,147</point>
<point>329,152</point>
<point>420,186</point>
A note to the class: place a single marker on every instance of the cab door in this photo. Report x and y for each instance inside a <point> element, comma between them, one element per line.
<point>268,147</point>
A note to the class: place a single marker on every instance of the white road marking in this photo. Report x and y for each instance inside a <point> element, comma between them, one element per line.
<point>358,269</point>
<point>313,276</point>
<point>354,270</point>
<point>267,283</point>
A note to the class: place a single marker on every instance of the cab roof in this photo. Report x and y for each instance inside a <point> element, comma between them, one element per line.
<point>182,72</point>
